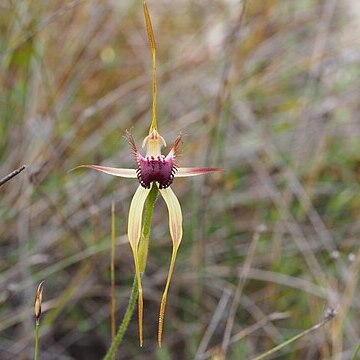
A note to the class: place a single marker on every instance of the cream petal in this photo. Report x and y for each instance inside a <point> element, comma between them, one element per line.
<point>175,215</point>
<point>135,215</point>
<point>125,173</point>
<point>184,172</point>
<point>175,225</point>
<point>134,232</point>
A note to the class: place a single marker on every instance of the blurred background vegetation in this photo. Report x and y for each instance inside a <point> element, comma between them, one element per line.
<point>272,97</point>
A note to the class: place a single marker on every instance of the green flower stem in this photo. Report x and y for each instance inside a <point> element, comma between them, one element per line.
<point>125,322</point>
<point>36,351</point>
<point>144,240</point>
<point>143,250</point>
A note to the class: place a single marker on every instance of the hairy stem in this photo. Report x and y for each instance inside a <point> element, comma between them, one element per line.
<point>125,322</point>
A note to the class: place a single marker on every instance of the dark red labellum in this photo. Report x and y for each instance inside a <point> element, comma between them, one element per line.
<point>158,169</point>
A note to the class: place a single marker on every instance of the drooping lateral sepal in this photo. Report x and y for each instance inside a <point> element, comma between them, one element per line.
<point>176,231</point>
<point>134,233</point>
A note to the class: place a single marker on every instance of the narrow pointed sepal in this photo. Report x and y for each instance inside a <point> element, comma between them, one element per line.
<point>164,297</point>
<point>134,232</point>
<point>185,172</point>
<point>151,36</point>
<point>125,173</point>
<point>175,225</point>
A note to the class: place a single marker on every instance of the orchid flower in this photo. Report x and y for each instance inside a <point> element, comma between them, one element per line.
<point>153,169</point>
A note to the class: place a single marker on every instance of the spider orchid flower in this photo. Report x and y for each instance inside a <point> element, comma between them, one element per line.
<point>153,169</point>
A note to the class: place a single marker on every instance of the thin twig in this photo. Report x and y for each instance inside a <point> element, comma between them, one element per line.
<point>12,174</point>
<point>330,314</point>
<point>260,324</point>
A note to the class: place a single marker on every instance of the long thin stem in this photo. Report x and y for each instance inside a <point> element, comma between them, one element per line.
<point>36,351</point>
<point>112,272</point>
<point>144,240</point>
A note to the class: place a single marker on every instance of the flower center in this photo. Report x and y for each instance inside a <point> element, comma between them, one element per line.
<point>158,169</point>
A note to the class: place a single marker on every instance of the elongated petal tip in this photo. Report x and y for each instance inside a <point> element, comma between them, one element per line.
<point>125,173</point>
<point>185,172</point>
<point>141,311</point>
<point>161,320</point>
<point>164,297</point>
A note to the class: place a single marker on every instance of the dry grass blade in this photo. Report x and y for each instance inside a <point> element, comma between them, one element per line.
<point>245,332</point>
<point>242,278</point>
<point>218,314</point>
<point>347,298</point>
<point>329,315</point>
